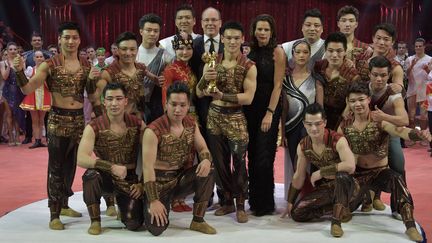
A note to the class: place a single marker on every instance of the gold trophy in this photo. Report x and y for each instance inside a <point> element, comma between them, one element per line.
<point>210,59</point>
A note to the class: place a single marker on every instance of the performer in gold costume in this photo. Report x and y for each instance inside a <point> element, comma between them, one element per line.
<point>369,142</point>
<point>331,162</point>
<point>66,77</point>
<point>235,77</point>
<point>128,72</point>
<point>337,74</point>
<point>114,137</point>
<point>168,144</point>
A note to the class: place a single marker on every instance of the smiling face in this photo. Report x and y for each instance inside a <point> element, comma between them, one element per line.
<point>38,57</point>
<point>185,21</point>
<point>358,103</point>
<point>211,22</point>
<point>69,41</point>
<point>382,42</point>
<point>127,51</point>
<point>184,53</point>
<point>115,102</point>
<point>312,29</point>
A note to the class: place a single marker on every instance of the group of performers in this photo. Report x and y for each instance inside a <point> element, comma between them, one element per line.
<point>226,111</point>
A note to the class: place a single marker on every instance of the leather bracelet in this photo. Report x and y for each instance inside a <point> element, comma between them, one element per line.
<point>414,135</point>
<point>91,86</point>
<point>98,110</point>
<point>232,98</point>
<point>202,84</point>
<point>270,110</point>
<point>329,170</point>
<point>151,191</point>
<point>292,194</point>
<point>103,165</point>
<point>205,155</point>
<point>21,78</point>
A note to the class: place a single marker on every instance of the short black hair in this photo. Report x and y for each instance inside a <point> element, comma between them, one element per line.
<point>358,88</point>
<point>313,13</point>
<point>68,26</point>
<point>178,87</point>
<point>420,40</point>
<point>380,62</point>
<point>314,109</point>
<point>387,27</point>
<point>126,36</point>
<point>150,18</point>
<point>348,9</point>
<point>36,34</point>
<point>232,25</point>
<point>184,6</point>
<point>336,37</point>
<point>114,86</point>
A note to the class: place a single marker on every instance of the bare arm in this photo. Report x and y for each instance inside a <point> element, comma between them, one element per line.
<point>300,174</point>
<point>347,163</point>
<point>85,149</point>
<point>149,154</point>
<point>279,73</point>
<point>397,75</point>
<point>249,87</point>
<point>4,69</point>
<point>399,119</point>
<point>204,165</point>
<point>406,133</point>
<point>37,80</point>
<point>100,85</point>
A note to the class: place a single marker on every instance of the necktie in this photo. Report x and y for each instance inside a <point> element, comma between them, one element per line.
<point>212,47</point>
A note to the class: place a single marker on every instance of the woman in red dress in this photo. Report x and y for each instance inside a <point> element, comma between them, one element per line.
<point>37,103</point>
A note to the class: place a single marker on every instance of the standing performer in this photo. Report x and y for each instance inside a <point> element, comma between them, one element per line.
<point>264,113</point>
<point>168,144</point>
<point>115,138</point>
<point>235,78</point>
<point>331,162</point>
<point>369,142</point>
<point>66,77</point>
<point>37,102</point>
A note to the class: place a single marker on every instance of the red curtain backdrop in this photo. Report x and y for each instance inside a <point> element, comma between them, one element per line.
<point>101,21</point>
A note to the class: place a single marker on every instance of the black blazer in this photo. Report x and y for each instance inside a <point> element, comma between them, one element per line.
<point>196,63</point>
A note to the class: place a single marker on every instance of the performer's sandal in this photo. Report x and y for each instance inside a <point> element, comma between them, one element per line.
<point>414,235</point>
<point>56,224</point>
<point>70,212</point>
<point>336,230</point>
<point>225,209</point>
<point>95,228</point>
<point>202,227</point>
<point>111,211</point>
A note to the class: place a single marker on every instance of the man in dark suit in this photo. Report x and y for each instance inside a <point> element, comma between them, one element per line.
<point>211,23</point>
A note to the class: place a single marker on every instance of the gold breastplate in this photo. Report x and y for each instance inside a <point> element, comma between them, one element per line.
<point>134,85</point>
<point>176,151</point>
<point>230,80</point>
<point>327,157</point>
<point>119,149</point>
<point>68,84</point>
<point>372,140</point>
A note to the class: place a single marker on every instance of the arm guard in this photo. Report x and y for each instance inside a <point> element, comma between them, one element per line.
<point>292,194</point>
<point>329,170</point>
<point>21,78</point>
<point>98,110</point>
<point>202,84</point>
<point>205,155</point>
<point>151,191</point>
<point>415,135</point>
<point>232,98</point>
<point>103,165</point>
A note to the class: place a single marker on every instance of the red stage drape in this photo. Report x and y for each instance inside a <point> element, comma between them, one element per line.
<point>101,21</point>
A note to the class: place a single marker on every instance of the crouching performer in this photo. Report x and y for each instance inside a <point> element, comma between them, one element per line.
<point>114,137</point>
<point>168,144</point>
<point>332,162</point>
<point>369,141</point>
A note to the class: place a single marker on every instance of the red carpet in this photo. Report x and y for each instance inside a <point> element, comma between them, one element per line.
<point>23,179</point>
